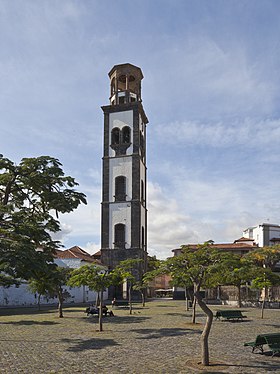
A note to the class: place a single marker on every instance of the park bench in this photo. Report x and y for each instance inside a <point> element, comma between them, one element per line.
<point>272,340</point>
<point>230,315</point>
<point>95,310</point>
<point>121,303</point>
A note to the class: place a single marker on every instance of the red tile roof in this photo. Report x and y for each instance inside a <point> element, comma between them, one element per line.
<point>97,255</point>
<point>76,252</point>
<point>244,240</point>
<point>238,245</point>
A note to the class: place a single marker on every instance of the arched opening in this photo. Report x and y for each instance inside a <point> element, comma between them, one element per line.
<point>143,237</point>
<point>120,188</point>
<point>115,136</point>
<point>126,135</point>
<point>113,86</point>
<point>119,236</point>
<point>142,192</point>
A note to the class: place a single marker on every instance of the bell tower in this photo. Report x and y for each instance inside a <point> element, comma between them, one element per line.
<point>124,203</point>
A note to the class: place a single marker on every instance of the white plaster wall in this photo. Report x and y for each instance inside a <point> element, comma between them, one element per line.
<point>72,263</point>
<point>120,213</point>
<point>121,119</point>
<point>258,236</point>
<point>21,296</point>
<point>120,166</point>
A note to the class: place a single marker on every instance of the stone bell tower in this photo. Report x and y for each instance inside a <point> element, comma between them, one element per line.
<point>124,203</point>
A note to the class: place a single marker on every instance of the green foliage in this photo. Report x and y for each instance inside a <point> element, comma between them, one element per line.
<point>201,267</point>
<point>237,270</point>
<point>265,256</point>
<point>129,270</point>
<point>93,276</point>
<point>265,279</point>
<point>32,194</point>
<point>152,263</point>
<point>49,280</point>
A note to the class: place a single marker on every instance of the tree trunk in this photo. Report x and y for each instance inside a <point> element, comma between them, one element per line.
<point>262,309</point>
<point>60,303</point>
<point>143,298</point>
<point>263,303</point>
<point>187,299</point>
<point>206,330</point>
<point>129,299</point>
<point>100,312</point>
<point>39,302</point>
<point>97,300</point>
<point>194,309</point>
<point>239,296</point>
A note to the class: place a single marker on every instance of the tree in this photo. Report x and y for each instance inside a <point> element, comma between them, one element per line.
<point>179,279</point>
<point>153,265</point>
<point>32,194</point>
<point>263,281</point>
<point>49,281</point>
<point>201,266</point>
<point>97,278</point>
<point>58,279</point>
<point>266,259</point>
<point>40,282</point>
<point>237,271</point>
<point>128,271</point>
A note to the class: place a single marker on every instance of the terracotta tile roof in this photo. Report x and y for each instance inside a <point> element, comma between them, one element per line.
<point>237,245</point>
<point>96,255</point>
<point>76,252</point>
<point>244,240</point>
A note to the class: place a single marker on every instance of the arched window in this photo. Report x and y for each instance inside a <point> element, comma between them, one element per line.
<point>113,87</point>
<point>115,136</point>
<point>142,192</point>
<point>119,236</point>
<point>126,135</point>
<point>120,188</point>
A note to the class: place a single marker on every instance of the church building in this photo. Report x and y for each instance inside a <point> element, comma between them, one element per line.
<point>124,185</point>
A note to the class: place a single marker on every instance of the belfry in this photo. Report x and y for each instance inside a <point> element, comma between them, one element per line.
<point>124,203</point>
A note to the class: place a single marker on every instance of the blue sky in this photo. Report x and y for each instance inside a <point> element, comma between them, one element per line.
<point>211,93</point>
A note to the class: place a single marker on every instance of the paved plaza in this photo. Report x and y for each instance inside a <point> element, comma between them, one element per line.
<point>158,338</point>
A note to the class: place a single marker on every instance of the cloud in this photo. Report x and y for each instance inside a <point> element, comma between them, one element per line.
<point>250,132</point>
<point>83,224</point>
<point>168,226</point>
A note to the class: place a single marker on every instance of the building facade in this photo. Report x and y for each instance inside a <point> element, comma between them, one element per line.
<point>72,258</point>
<point>124,191</point>
<point>265,234</point>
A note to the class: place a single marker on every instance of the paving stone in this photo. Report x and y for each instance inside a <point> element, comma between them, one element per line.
<point>158,338</point>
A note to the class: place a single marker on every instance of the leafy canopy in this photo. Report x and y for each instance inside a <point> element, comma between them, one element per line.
<point>32,194</point>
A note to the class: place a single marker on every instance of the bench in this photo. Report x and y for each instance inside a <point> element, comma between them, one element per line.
<point>272,340</point>
<point>230,315</point>
<point>93,311</point>
<point>121,303</point>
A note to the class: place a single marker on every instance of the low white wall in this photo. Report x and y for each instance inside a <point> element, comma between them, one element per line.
<point>21,296</point>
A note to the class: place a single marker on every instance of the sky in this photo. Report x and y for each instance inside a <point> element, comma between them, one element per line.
<point>210,91</point>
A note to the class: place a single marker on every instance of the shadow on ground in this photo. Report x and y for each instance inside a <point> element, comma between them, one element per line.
<point>29,323</point>
<point>118,319</point>
<point>276,326</point>
<point>24,311</point>
<point>164,332</point>
<point>187,314</point>
<point>78,345</point>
